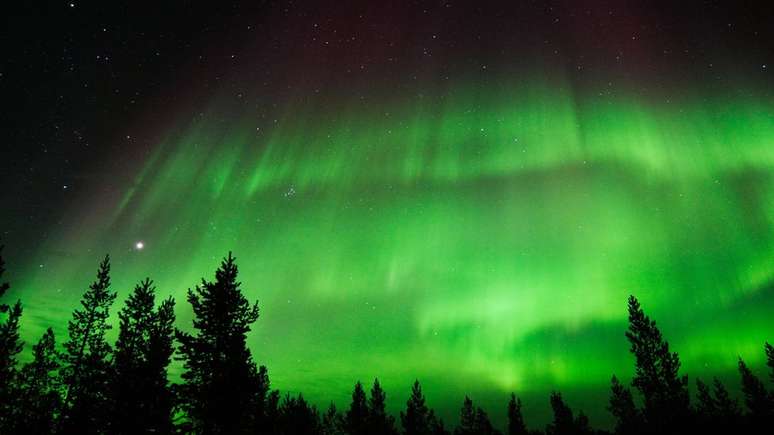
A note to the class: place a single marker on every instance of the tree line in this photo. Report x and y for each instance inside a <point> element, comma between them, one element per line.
<point>88,386</point>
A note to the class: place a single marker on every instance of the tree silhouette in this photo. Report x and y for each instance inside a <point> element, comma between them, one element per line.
<point>224,392</point>
<point>297,417</point>
<point>356,418</point>
<point>221,380</point>
<point>756,397</point>
<point>379,422</point>
<point>10,346</point>
<point>416,419</point>
<point>483,425</point>
<point>706,405</point>
<point>628,418</point>
<point>332,422</point>
<point>582,425</point>
<point>473,421</point>
<point>141,397</point>
<point>716,411</point>
<point>261,401</point>
<point>564,422</point>
<point>271,421</point>
<point>728,408</point>
<point>516,424</point>
<point>665,393</point>
<point>39,401</point>
<point>86,371</point>
<point>436,425</point>
<point>467,424</point>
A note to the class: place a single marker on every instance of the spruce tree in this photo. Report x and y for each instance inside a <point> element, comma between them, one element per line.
<point>564,422</point>
<point>261,399</point>
<point>770,359</point>
<point>297,417</point>
<point>756,397</point>
<point>272,418</point>
<point>436,425</point>
<point>726,405</point>
<point>379,422</point>
<point>473,420</point>
<point>332,422</point>
<point>221,382</point>
<point>483,425</point>
<point>467,424</point>
<point>141,396</point>
<point>727,408</point>
<point>582,425</point>
<point>10,347</point>
<point>416,419</point>
<point>86,370</point>
<point>716,411</point>
<point>39,400</point>
<point>664,391</point>
<point>516,424</point>
<point>628,418</point>
<point>706,406</point>
<point>356,419</point>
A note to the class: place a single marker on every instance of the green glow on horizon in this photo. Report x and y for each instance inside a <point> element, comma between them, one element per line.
<point>486,240</point>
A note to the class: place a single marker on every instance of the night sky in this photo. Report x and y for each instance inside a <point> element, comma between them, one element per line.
<point>435,190</point>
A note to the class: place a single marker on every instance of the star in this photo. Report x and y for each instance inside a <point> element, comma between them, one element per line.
<point>139,245</point>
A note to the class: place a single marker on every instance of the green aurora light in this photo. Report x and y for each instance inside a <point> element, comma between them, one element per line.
<point>483,241</point>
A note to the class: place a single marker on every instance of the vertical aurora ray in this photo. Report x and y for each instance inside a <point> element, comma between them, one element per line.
<point>494,232</point>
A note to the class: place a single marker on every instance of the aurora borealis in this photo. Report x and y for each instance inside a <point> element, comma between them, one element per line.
<point>475,222</point>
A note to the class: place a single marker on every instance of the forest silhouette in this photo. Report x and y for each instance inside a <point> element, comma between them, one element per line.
<point>90,386</point>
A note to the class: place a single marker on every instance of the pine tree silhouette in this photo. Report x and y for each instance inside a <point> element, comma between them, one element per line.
<point>582,425</point>
<point>628,418</point>
<point>221,380</point>
<point>728,417</point>
<point>467,424</point>
<point>483,425</point>
<point>664,391</point>
<point>86,370</point>
<point>473,421</point>
<point>706,406</point>
<point>416,419</point>
<point>224,392</point>
<point>10,347</point>
<point>716,411</point>
<point>297,417</point>
<point>756,397</point>
<point>261,400</point>
<point>141,397</point>
<point>332,422</point>
<point>436,425</point>
<point>728,408</point>
<point>379,422</point>
<point>564,422</point>
<point>516,424</point>
<point>39,401</point>
<point>356,419</point>
<point>272,418</point>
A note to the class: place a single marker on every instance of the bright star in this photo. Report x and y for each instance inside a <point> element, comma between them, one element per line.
<point>139,245</point>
